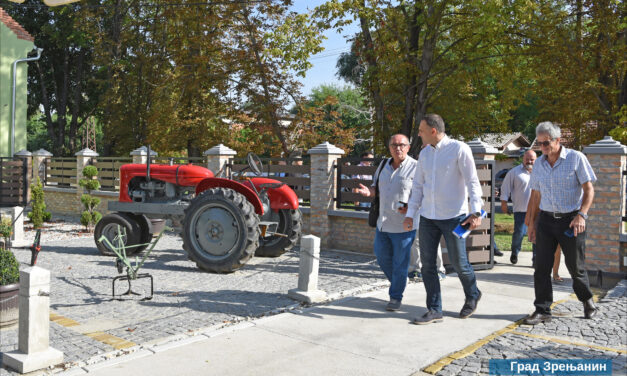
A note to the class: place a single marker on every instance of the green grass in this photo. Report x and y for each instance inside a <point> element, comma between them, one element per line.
<point>503,229</point>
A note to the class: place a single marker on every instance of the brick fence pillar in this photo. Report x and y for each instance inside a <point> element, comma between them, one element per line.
<point>140,155</point>
<point>323,186</point>
<point>83,159</point>
<point>607,158</point>
<point>217,157</point>
<point>39,164</point>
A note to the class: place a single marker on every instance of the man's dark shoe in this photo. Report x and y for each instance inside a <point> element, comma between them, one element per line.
<point>537,318</point>
<point>428,318</point>
<point>469,307</point>
<point>513,258</point>
<point>393,305</point>
<point>498,253</point>
<point>589,309</point>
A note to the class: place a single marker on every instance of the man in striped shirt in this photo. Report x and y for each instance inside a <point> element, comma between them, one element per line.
<point>561,182</point>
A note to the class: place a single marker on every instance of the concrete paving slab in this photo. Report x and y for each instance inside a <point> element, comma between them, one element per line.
<point>255,351</point>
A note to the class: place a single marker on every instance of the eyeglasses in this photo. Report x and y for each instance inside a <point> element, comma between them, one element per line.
<point>544,143</point>
<point>394,146</point>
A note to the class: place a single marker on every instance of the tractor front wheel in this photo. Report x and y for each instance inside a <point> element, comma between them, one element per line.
<point>149,227</point>
<point>290,224</point>
<point>220,230</point>
<point>130,233</point>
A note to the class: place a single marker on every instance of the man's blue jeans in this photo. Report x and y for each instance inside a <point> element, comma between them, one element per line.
<point>520,230</point>
<point>392,251</point>
<point>429,234</point>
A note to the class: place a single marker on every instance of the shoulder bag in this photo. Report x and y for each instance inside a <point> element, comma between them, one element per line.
<point>373,214</point>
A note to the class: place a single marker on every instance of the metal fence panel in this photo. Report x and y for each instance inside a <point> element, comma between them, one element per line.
<point>60,172</point>
<point>15,176</point>
<point>295,176</point>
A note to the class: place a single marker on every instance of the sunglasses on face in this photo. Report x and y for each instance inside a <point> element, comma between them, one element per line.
<point>544,143</point>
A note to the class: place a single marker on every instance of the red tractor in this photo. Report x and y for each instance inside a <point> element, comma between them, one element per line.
<point>223,222</point>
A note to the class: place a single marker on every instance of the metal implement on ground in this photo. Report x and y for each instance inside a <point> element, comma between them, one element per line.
<point>35,248</point>
<point>132,272</point>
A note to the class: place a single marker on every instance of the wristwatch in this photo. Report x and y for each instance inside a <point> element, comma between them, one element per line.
<point>583,215</point>
<point>477,214</point>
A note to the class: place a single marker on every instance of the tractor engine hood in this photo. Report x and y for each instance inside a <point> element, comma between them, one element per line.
<point>181,175</point>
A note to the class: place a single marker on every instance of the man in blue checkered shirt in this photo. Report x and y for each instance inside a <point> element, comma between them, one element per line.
<point>561,182</point>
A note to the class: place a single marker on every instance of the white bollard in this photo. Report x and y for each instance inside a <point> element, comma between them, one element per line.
<point>307,290</point>
<point>33,351</point>
<point>17,217</point>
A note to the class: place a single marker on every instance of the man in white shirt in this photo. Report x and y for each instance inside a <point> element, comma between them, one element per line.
<point>392,242</point>
<point>445,177</point>
<point>516,186</point>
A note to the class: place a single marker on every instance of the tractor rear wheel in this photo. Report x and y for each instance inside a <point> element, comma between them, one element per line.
<point>220,230</point>
<point>130,231</point>
<point>290,224</point>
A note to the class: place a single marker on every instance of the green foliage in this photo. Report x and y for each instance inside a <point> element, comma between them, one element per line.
<point>456,58</point>
<point>620,133</point>
<point>90,216</point>
<point>39,214</point>
<point>335,114</point>
<point>175,86</point>
<point>578,61</point>
<point>37,137</point>
<point>90,172</point>
<point>6,229</point>
<point>9,268</point>
<point>62,82</point>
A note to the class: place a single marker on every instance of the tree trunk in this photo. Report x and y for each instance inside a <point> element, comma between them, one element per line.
<point>270,105</point>
<point>373,67</point>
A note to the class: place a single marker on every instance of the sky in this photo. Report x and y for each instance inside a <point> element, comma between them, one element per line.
<point>323,70</point>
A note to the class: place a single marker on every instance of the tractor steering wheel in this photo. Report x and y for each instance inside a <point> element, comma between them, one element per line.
<point>255,164</point>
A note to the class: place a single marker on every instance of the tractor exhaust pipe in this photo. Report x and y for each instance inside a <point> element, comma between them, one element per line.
<point>148,164</point>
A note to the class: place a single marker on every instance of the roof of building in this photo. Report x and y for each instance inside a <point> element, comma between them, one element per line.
<point>15,27</point>
<point>501,140</point>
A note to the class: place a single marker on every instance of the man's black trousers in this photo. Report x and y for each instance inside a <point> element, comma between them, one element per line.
<point>550,233</point>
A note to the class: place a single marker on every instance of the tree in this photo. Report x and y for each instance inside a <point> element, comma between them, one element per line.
<point>177,75</point>
<point>339,115</point>
<point>579,49</point>
<point>60,81</point>
<point>90,216</point>
<point>38,215</point>
<point>457,58</point>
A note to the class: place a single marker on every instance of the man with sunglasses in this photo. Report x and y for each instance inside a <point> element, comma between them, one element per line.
<point>392,242</point>
<point>561,188</point>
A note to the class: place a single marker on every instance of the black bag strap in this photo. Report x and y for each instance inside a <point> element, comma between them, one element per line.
<point>381,167</point>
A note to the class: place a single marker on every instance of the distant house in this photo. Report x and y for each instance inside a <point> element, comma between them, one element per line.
<point>15,43</point>
<point>509,144</point>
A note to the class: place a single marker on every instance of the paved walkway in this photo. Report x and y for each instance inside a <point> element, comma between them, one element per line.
<point>355,336</point>
<point>232,324</point>
<point>89,326</point>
